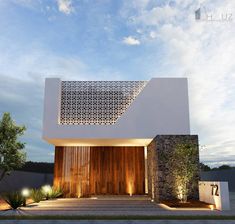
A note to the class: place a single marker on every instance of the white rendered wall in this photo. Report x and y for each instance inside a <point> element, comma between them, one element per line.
<point>215,193</point>
<point>161,108</point>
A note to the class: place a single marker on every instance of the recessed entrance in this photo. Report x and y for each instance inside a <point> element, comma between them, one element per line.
<point>85,171</point>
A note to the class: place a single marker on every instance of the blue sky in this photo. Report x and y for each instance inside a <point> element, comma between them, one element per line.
<point>121,40</point>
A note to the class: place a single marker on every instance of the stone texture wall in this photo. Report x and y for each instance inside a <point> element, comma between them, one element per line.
<point>160,180</point>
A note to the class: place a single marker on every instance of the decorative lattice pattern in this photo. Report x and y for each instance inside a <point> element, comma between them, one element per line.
<point>96,102</point>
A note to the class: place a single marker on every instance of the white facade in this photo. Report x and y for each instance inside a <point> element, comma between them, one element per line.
<point>157,107</point>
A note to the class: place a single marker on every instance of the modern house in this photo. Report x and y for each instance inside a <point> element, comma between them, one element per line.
<point>110,136</point>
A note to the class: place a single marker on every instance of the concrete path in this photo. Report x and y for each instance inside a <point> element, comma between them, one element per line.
<point>84,207</point>
<point>136,205</point>
<point>120,206</point>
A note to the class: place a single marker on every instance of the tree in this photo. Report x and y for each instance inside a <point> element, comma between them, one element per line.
<point>204,167</point>
<point>184,168</point>
<point>224,167</point>
<point>11,154</point>
<point>37,167</point>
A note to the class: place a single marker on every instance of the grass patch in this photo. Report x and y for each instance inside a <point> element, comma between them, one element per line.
<point>159,217</point>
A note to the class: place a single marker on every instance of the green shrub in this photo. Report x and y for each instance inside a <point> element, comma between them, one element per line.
<point>14,199</point>
<point>55,193</point>
<point>36,195</point>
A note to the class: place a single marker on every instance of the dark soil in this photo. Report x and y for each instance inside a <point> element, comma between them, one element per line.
<point>188,204</point>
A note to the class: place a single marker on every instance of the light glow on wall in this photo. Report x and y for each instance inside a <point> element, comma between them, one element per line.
<point>180,194</point>
<point>146,170</point>
<point>212,207</point>
<point>153,190</point>
<point>130,188</point>
<point>79,190</point>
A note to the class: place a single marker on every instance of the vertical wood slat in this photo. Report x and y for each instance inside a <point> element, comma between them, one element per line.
<point>83,171</point>
<point>71,172</point>
<point>117,170</point>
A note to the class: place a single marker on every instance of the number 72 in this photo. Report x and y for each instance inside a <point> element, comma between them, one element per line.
<point>215,189</point>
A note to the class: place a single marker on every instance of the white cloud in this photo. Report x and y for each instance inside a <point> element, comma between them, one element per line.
<point>153,34</point>
<point>204,52</point>
<point>26,72</point>
<point>131,41</point>
<point>156,15</point>
<point>65,6</point>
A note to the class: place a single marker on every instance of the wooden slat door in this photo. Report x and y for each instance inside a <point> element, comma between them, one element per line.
<point>117,170</point>
<point>84,171</point>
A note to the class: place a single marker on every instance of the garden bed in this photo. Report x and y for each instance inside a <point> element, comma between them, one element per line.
<point>5,206</point>
<point>188,204</point>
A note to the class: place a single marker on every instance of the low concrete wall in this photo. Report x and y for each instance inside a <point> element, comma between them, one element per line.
<point>220,175</point>
<point>20,179</point>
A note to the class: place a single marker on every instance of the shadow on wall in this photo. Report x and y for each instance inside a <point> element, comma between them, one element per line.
<point>20,179</point>
<point>220,175</point>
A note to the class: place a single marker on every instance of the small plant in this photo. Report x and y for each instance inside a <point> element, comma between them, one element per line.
<point>14,199</point>
<point>51,192</point>
<point>36,195</point>
<point>55,193</point>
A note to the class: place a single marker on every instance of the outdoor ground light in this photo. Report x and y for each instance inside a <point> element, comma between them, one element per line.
<point>212,207</point>
<point>46,190</point>
<point>25,193</point>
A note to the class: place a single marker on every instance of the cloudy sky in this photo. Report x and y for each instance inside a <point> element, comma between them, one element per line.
<point>121,40</point>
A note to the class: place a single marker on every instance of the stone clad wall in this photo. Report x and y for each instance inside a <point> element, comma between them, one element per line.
<point>153,173</point>
<point>160,180</point>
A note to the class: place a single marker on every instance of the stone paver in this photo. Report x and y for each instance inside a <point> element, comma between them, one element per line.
<point>104,206</point>
<point>110,206</point>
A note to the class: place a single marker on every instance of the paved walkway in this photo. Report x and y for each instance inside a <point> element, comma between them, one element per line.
<point>107,206</point>
<point>111,206</point>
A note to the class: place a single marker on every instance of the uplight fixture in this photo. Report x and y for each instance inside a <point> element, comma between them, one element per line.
<point>212,207</point>
<point>25,193</point>
<point>46,190</point>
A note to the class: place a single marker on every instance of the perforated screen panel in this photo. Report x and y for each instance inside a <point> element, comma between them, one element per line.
<point>96,102</point>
